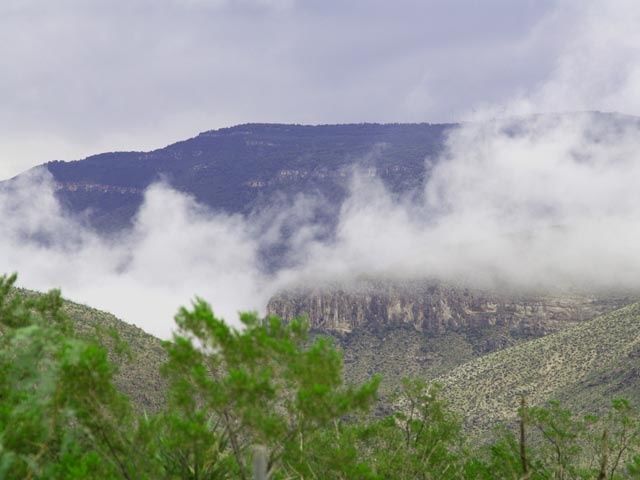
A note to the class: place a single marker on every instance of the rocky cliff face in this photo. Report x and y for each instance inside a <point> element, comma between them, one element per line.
<point>425,329</point>
<point>435,308</point>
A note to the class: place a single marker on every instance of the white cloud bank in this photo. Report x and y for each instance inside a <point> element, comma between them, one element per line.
<point>548,202</point>
<point>176,250</point>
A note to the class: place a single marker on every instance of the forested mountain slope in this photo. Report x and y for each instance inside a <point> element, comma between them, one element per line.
<point>238,169</point>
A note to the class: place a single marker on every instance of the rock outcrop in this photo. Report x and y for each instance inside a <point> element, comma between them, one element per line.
<point>436,308</point>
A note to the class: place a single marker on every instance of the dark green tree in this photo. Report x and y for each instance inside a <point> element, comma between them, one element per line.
<point>265,383</point>
<point>60,414</point>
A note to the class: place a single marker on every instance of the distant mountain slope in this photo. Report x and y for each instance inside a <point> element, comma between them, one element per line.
<point>586,366</point>
<point>239,168</point>
<point>138,376</point>
<point>235,169</point>
<point>425,328</point>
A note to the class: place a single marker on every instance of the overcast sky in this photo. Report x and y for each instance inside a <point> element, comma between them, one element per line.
<point>83,76</point>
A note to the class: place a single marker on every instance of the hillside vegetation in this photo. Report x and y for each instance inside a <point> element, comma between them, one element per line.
<point>586,366</point>
<point>267,401</point>
<point>138,365</point>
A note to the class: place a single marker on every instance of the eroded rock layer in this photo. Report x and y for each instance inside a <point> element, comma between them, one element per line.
<point>436,308</point>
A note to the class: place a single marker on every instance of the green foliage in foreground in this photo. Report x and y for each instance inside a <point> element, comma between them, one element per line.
<point>264,388</point>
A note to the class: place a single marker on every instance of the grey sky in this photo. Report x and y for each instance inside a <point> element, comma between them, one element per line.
<point>83,76</point>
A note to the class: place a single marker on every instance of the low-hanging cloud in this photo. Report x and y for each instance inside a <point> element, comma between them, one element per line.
<point>545,202</point>
<point>530,201</point>
<point>175,250</point>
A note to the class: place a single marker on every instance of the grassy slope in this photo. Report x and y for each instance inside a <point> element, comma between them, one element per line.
<point>139,372</point>
<point>585,366</point>
<point>402,352</point>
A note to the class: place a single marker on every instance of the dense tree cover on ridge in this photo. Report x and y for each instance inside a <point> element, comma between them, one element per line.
<point>265,391</point>
<point>243,168</point>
